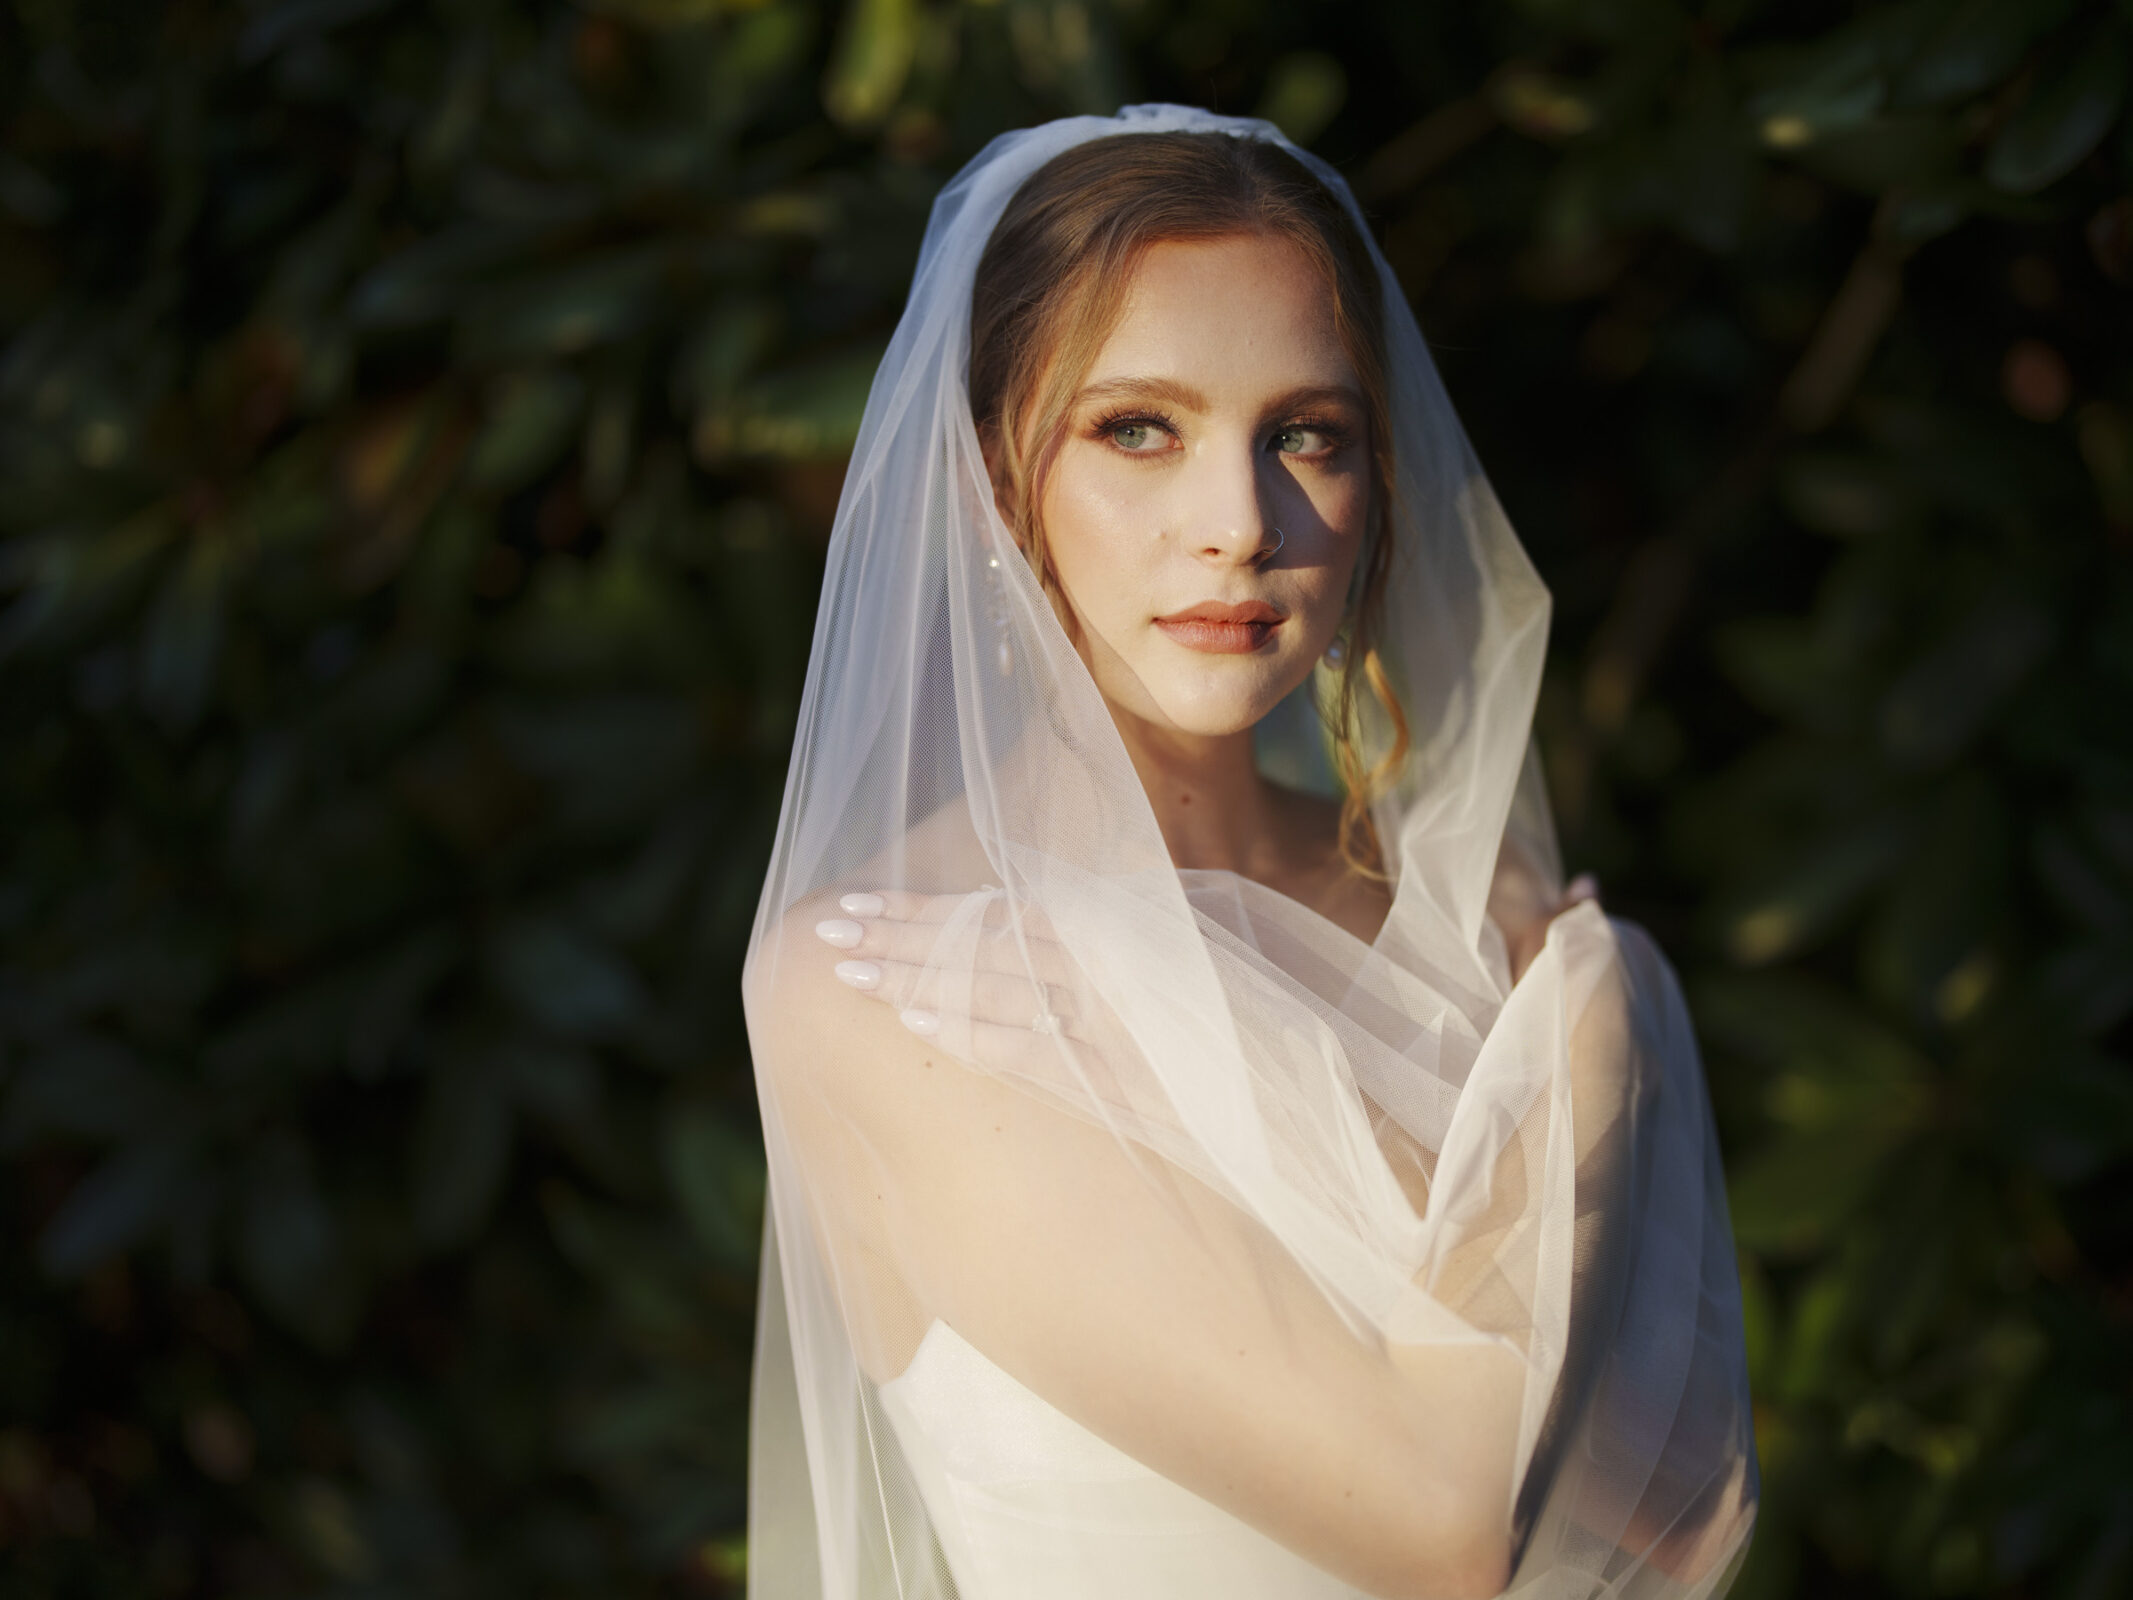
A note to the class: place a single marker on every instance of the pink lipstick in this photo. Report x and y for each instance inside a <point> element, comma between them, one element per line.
<point>1223,630</point>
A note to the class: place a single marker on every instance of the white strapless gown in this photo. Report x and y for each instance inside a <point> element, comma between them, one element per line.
<point>1030,1505</point>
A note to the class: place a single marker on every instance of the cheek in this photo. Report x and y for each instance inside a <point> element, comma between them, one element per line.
<point>1343,508</point>
<point>1343,504</point>
<point>1097,539</point>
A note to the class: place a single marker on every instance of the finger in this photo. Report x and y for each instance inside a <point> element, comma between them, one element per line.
<point>1006,951</point>
<point>1583,887</point>
<point>904,905</point>
<point>901,904</point>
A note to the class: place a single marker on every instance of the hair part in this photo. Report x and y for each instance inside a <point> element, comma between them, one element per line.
<point>1051,287</point>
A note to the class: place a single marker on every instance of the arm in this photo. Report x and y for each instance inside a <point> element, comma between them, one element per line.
<point>1168,1325</point>
<point>943,1192</point>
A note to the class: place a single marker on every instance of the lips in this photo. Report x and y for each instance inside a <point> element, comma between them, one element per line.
<point>1216,628</point>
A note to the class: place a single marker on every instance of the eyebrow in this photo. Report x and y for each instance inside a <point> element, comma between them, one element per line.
<point>1178,394</point>
<point>1185,396</point>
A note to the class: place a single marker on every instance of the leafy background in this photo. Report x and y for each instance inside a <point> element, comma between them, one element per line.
<point>419,427</point>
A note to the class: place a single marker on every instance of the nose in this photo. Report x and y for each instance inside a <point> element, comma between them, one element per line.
<point>1233,525</point>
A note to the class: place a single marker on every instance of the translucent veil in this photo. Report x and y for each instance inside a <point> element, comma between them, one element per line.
<point>1388,1140</point>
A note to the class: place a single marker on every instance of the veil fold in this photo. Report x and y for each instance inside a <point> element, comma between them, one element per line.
<point>1390,1138</point>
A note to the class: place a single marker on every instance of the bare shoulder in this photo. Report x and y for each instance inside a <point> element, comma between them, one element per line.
<point>876,1122</point>
<point>1356,901</point>
<point>794,996</point>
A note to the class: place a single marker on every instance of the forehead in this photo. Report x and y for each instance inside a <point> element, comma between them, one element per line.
<point>1250,310</point>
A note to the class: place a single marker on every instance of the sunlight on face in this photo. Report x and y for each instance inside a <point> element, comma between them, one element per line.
<point>1222,407</point>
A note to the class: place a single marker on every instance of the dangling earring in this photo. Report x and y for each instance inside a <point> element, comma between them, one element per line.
<point>1336,656</point>
<point>996,605</point>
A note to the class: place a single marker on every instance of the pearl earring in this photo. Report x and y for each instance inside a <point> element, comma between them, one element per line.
<point>1336,655</point>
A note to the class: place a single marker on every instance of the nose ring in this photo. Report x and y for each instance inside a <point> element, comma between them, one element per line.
<point>1264,556</point>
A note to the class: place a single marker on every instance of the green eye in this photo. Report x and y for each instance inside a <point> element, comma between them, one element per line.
<point>1132,435</point>
<point>1299,441</point>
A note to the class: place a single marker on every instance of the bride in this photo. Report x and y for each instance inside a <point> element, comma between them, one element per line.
<point>1209,1153</point>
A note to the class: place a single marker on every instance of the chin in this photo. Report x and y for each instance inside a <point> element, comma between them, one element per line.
<point>1212,710</point>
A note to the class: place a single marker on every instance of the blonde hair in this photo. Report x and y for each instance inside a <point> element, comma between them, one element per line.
<point>1050,288</point>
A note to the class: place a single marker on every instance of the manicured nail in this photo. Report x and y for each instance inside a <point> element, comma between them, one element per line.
<point>859,974</point>
<point>844,935</point>
<point>924,1023</point>
<point>1583,887</point>
<point>864,905</point>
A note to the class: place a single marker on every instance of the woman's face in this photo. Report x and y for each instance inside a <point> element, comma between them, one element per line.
<point>1221,408</point>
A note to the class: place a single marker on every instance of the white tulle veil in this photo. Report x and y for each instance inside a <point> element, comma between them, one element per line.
<point>950,740</point>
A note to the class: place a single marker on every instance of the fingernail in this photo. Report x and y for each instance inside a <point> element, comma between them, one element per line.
<point>925,1023</point>
<point>844,935</point>
<point>864,905</point>
<point>859,974</point>
<point>1583,887</point>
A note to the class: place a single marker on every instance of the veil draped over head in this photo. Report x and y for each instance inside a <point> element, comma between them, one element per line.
<point>1388,1149</point>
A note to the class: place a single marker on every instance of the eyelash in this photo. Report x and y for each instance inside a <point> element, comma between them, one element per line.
<point>1337,437</point>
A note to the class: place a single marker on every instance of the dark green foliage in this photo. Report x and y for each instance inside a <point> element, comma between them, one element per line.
<point>418,426</point>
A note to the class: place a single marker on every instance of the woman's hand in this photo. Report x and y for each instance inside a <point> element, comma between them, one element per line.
<point>1025,1007</point>
<point>1524,917</point>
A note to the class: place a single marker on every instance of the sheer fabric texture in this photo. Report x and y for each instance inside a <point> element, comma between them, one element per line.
<point>1007,1364</point>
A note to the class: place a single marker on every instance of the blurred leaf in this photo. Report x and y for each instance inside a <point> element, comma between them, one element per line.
<point>2072,105</point>
<point>183,636</point>
<point>1939,705</point>
<point>1845,1091</point>
<point>1808,892</point>
<point>800,413</point>
<point>722,349</point>
<point>124,1200</point>
<point>1304,92</point>
<point>876,42</point>
<point>560,1082</point>
<point>2092,983</point>
<point>424,281</point>
<point>388,994</point>
<point>288,1245</point>
<point>529,421</point>
<point>67,579</point>
<point>1792,668</point>
<point>610,435</point>
<point>636,1266</point>
<point>1834,84</point>
<point>461,1152</point>
<point>1970,45</point>
<point>718,1177</point>
<point>1913,151</point>
<point>611,758</point>
<point>87,1087</point>
<point>589,624</point>
<point>1851,494</point>
<point>1795,1195</point>
<point>563,980</point>
<point>2074,1123</point>
<point>1848,1065</point>
<point>2082,881</point>
<point>665,13</point>
<point>1930,949</point>
<point>565,309</point>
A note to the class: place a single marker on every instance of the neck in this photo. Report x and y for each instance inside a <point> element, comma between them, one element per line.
<point>1213,806</point>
